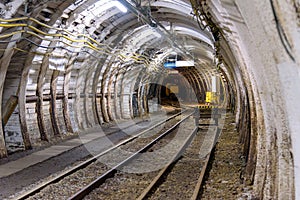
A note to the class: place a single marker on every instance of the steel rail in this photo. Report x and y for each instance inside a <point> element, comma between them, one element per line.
<point>101,179</point>
<point>162,172</point>
<point>155,182</point>
<point>200,179</point>
<point>82,165</point>
<point>203,169</point>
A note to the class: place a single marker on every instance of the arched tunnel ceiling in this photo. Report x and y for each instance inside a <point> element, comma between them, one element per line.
<point>128,32</point>
<point>72,53</point>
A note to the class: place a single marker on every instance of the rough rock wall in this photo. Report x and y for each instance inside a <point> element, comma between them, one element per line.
<point>271,73</point>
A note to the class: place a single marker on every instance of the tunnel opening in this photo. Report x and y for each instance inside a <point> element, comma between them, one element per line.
<point>175,88</point>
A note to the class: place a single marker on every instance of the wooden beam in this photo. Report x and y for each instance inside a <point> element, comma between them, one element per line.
<point>145,98</point>
<point>103,103</point>
<point>197,85</point>
<point>132,92</point>
<point>66,94</point>
<point>47,97</point>
<point>22,102</point>
<point>139,97</point>
<point>85,99</point>
<point>53,114</point>
<point>116,95</point>
<point>109,93</point>
<point>9,108</point>
<point>77,102</point>
<point>39,100</point>
<point>95,107</point>
<point>108,102</point>
<point>122,96</point>
<point>4,63</point>
<point>23,81</point>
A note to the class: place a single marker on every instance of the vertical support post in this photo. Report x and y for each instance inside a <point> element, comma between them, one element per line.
<point>39,102</point>
<point>9,108</point>
<point>77,102</point>
<point>97,109</point>
<point>4,63</point>
<point>22,103</point>
<point>66,96</point>
<point>86,95</point>
<point>146,91</point>
<point>122,95</point>
<point>139,98</point>
<point>110,81</point>
<point>53,102</point>
<point>103,95</point>
<point>116,95</point>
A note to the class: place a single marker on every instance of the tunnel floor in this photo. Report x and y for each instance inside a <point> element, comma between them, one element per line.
<point>223,178</point>
<point>48,160</point>
<point>224,175</point>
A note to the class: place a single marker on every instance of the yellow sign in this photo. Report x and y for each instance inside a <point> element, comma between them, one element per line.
<point>208,97</point>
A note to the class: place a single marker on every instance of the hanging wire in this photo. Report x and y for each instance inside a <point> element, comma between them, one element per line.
<point>64,31</point>
<point>197,13</point>
<point>63,37</point>
<point>281,33</point>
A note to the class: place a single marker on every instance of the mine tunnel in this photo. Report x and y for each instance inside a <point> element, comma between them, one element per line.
<point>83,80</point>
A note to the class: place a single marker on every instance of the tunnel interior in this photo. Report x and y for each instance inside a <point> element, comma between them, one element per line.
<point>67,66</point>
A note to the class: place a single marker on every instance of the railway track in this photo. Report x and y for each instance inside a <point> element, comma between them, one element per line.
<point>157,143</point>
<point>182,179</point>
<point>88,165</point>
<point>181,176</point>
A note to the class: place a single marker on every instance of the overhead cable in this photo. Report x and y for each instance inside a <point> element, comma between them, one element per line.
<point>283,38</point>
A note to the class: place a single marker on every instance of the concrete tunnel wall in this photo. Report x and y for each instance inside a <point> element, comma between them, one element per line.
<point>262,71</point>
